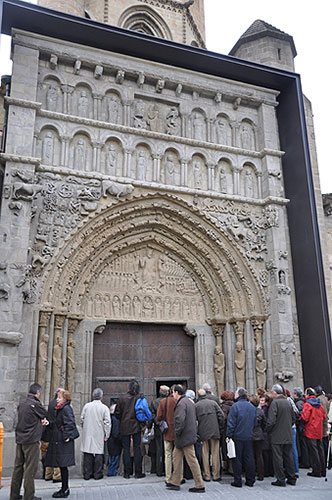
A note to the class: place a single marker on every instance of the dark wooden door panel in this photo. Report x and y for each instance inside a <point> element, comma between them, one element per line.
<point>152,354</point>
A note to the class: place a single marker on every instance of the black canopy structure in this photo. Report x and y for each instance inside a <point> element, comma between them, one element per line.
<point>312,309</point>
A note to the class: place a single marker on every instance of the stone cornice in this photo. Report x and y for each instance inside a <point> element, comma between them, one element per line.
<point>4,157</point>
<point>23,103</point>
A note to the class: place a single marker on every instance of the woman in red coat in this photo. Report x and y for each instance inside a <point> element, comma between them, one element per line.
<point>313,415</point>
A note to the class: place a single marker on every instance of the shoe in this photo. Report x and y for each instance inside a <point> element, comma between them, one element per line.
<point>98,477</point>
<point>54,480</point>
<point>217,480</point>
<point>196,490</point>
<point>183,481</point>
<point>313,475</point>
<point>259,478</point>
<point>292,482</point>
<point>171,486</point>
<point>249,484</point>
<point>61,494</point>
<point>236,485</point>
<point>206,480</point>
<point>139,475</point>
<point>278,483</point>
<point>48,478</point>
<point>86,478</point>
<point>126,476</point>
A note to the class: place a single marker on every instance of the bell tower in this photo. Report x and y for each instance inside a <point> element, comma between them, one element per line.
<point>178,20</point>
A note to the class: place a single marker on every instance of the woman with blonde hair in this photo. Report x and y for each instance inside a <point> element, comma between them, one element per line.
<point>61,450</point>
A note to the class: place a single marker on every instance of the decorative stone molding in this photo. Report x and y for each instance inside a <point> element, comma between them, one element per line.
<point>13,338</point>
<point>22,103</point>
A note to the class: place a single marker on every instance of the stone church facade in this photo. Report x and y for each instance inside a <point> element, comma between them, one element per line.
<point>140,197</point>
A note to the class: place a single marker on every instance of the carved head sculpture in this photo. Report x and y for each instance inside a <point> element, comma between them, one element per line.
<point>238,346</point>
<point>217,350</point>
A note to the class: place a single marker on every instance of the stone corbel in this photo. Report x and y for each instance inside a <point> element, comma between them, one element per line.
<point>98,73</point>
<point>53,61</point>
<point>218,98</point>
<point>236,103</point>
<point>77,67</point>
<point>140,80</point>
<point>178,90</point>
<point>160,85</point>
<point>120,76</point>
<point>190,331</point>
<point>13,338</point>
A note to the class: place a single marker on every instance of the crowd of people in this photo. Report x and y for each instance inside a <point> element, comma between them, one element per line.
<point>188,436</point>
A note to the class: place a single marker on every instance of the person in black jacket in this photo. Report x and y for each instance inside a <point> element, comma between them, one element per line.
<point>31,418</point>
<point>51,473</point>
<point>258,437</point>
<point>114,445</point>
<point>61,450</point>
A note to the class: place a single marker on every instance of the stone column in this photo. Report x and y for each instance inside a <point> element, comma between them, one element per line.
<point>127,162</point>
<point>210,123</point>
<point>67,91</point>
<point>259,185</point>
<point>261,363</point>
<point>185,125</point>
<point>97,145</point>
<point>204,350</point>
<point>236,180</point>
<point>156,167</point>
<point>43,338</point>
<point>127,113</point>
<point>184,172</point>
<point>64,159</point>
<point>211,167</point>
<point>97,98</point>
<point>57,352</point>
<point>70,361</point>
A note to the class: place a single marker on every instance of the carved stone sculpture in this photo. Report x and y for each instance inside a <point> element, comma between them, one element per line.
<point>154,118</point>
<point>4,290</point>
<point>71,344</point>
<point>83,104</point>
<point>221,131</point>
<point>198,127</point>
<point>113,109</point>
<point>13,338</point>
<point>79,154</point>
<point>197,175</point>
<point>116,188</point>
<point>43,339</point>
<point>139,115</point>
<point>246,137</point>
<point>248,184</point>
<point>170,169</point>
<point>141,166</point>
<point>222,180</point>
<point>47,149</point>
<point>260,367</point>
<point>111,160</point>
<point>57,353</point>
<point>219,369</point>
<point>23,191</point>
<point>173,122</point>
<point>52,97</point>
<point>240,364</point>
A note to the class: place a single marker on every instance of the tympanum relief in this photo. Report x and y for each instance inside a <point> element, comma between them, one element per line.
<point>145,285</point>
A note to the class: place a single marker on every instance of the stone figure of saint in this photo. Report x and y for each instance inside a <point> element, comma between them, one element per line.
<point>154,118</point>
<point>116,306</point>
<point>111,160</point>
<point>79,154</point>
<point>47,149</point>
<point>126,306</point>
<point>42,356</point>
<point>113,109</point>
<point>198,126</point>
<point>248,184</point>
<point>197,175</point>
<point>83,104</point>
<point>52,97</point>
<point>139,115</point>
<point>223,180</point>
<point>173,122</point>
<point>148,308</point>
<point>147,265</point>
<point>240,364</point>
<point>221,131</point>
<point>137,307</point>
<point>56,362</point>
<point>70,363</point>
<point>170,169</point>
<point>246,137</point>
<point>141,166</point>
<point>219,369</point>
<point>159,308</point>
<point>260,368</point>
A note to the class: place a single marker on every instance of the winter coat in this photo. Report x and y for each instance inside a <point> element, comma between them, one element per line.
<point>96,424</point>
<point>215,398</point>
<point>258,433</point>
<point>169,435</point>
<point>241,420</point>
<point>114,443</point>
<point>313,415</point>
<point>125,413</point>
<point>29,426</point>
<point>280,420</point>
<point>61,453</point>
<point>226,406</point>
<point>185,423</point>
<point>323,400</point>
<point>154,408</point>
<point>211,419</point>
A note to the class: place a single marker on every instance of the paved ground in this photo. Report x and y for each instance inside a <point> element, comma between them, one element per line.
<point>153,488</point>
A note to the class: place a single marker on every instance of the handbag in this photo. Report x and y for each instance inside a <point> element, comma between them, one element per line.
<point>231,453</point>
<point>163,425</point>
<point>148,435</point>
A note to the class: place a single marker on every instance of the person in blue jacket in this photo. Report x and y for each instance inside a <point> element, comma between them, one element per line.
<point>240,425</point>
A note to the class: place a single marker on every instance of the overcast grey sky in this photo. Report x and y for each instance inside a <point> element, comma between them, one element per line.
<point>309,24</point>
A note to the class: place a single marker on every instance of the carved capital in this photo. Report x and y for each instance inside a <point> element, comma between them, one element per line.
<point>58,321</point>
<point>190,331</point>
<point>44,318</point>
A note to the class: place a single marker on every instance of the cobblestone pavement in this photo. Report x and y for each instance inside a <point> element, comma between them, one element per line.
<point>153,488</point>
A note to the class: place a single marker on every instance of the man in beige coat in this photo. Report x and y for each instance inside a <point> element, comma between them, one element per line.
<point>96,423</point>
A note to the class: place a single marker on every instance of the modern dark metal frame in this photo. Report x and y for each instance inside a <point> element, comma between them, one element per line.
<point>312,309</point>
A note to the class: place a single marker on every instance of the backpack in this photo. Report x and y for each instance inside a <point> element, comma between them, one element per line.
<point>143,414</point>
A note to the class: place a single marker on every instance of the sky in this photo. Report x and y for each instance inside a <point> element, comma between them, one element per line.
<point>306,21</point>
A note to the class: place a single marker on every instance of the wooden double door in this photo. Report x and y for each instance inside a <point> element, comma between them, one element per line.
<point>151,354</point>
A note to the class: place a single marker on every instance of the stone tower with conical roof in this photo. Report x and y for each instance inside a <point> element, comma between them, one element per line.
<point>266,44</point>
<point>178,20</point>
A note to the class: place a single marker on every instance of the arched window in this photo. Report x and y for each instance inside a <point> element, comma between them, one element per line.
<point>144,20</point>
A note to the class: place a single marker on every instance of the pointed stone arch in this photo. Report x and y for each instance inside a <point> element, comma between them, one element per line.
<point>223,277</point>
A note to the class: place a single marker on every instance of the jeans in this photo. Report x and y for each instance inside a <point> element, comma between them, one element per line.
<point>244,458</point>
<point>113,465</point>
<point>295,454</point>
<point>137,453</point>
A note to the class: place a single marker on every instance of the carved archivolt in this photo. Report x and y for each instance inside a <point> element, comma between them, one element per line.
<point>158,253</point>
